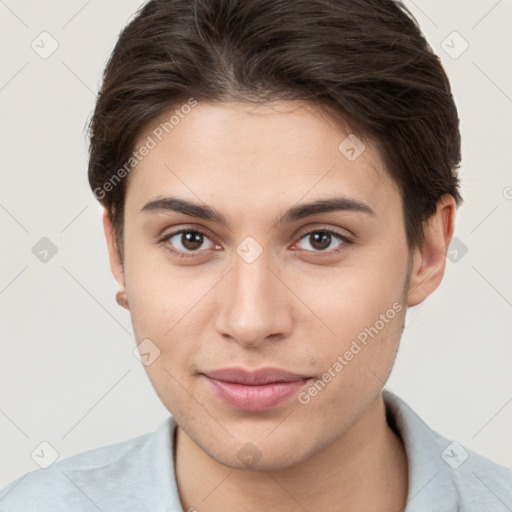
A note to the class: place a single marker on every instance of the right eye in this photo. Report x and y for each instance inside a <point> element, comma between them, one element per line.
<point>186,242</point>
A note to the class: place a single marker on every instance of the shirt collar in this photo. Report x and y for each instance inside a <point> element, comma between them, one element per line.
<point>141,479</point>
<point>429,476</point>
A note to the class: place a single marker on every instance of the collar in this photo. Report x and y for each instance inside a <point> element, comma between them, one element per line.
<point>142,478</point>
<point>429,476</point>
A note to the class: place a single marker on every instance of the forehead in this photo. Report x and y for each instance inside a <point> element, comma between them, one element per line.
<point>263,155</point>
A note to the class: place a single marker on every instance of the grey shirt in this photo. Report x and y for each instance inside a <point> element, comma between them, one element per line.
<point>138,475</point>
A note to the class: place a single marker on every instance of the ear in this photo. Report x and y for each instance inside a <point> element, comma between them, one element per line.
<point>116,264</point>
<point>429,260</point>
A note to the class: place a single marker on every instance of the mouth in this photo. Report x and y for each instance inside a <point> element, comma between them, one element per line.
<point>258,390</point>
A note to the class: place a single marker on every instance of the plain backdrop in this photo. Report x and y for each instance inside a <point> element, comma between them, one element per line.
<point>68,375</point>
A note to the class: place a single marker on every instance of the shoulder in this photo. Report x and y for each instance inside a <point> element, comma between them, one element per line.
<point>445,473</point>
<point>481,483</point>
<point>94,479</point>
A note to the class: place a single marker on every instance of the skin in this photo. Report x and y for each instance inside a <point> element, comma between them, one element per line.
<point>297,306</point>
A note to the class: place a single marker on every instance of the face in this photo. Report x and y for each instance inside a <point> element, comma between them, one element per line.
<point>251,241</point>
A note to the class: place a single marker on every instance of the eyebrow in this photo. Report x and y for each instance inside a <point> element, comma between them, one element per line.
<point>173,204</point>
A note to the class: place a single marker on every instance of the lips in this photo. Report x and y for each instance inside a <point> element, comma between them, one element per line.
<point>255,377</point>
<point>258,390</point>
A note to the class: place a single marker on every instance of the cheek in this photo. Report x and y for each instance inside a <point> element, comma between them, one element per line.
<point>355,364</point>
<point>346,300</point>
<point>168,306</point>
<point>159,294</point>
<point>359,314</point>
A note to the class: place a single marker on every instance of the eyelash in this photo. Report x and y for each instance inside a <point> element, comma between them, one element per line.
<point>343,238</point>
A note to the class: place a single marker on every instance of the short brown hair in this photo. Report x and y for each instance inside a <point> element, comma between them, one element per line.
<point>365,60</point>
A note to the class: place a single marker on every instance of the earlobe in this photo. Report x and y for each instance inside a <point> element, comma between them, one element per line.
<point>121,299</point>
<point>429,260</point>
<point>116,264</point>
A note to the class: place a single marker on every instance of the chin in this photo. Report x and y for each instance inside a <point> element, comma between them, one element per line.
<point>277,461</point>
<point>260,456</point>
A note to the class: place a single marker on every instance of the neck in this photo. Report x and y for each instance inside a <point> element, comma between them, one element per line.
<point>364,469</point>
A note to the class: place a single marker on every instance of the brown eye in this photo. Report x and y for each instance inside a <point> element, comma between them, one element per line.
<point>322,241</point>
<point>185,241</point>
<point>192,240</point>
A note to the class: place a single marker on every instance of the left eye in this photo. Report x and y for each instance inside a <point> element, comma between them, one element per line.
<point>322,241</point>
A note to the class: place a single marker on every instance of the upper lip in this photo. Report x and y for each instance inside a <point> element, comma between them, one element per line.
<point>254,377</point>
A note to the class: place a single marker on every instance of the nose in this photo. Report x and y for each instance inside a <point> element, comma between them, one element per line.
<point>254,304</point>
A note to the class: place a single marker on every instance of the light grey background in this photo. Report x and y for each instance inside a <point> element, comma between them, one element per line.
<point>67,372</point>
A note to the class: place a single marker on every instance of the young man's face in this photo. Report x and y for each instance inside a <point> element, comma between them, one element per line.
<point>323,294</point>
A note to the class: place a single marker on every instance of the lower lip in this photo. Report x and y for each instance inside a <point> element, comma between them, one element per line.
<point>255,398</point>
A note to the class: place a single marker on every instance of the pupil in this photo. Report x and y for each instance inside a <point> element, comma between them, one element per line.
<point>321,240</point>
<point>191,240</point>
